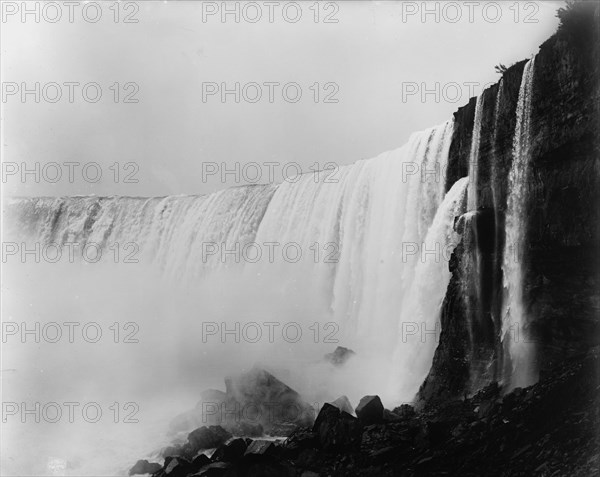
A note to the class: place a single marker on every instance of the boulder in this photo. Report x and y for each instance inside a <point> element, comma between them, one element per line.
<point>370,410</point>
<point>144,467</point>
<point>176,467</point>
<point>231,451</point>
<point>199,462</point>
<point>336,430</point>
<point>261,446</point>
<point>267,400</point>
<point>205,438</point>
<point>301,438</point>
<point>339,356</point>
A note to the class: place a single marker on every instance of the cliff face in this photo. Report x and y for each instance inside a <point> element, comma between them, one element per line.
<point>560,252</point>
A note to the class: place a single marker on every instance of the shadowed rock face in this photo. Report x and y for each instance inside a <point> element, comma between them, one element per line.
<point>560,254</point>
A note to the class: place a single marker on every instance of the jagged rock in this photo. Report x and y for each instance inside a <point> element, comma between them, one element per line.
<point>200,461</point>
<point>205,438</point>
<point>339,356</point>
<point>343,404</point>
<point>261,446</point>
<point>301,438</point>
<point>336,430</point>
<point>370,410</point>
<point>176,467</point>
<point>270,402</point>
<point>144,467</point>
<point>231,451</point>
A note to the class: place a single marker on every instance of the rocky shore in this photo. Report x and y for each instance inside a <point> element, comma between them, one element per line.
<point>549,429</point>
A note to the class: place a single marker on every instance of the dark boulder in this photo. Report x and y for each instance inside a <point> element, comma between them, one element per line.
<point>231,451</point>
<point>370,410</point>
<point>261,446</point>
<point>336,430</point>
<point>208,437</point>
<point>176,467</point>
<point>199,462</point>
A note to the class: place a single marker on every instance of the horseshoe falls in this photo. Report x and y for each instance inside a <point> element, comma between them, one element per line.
<point>345,246</point>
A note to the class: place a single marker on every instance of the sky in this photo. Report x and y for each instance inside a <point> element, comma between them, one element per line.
<point>161,125</point>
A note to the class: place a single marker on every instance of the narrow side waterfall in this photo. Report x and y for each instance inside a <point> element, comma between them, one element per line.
<point>516,339</point>
<point>474,154</point>
<point>347,246</point>
<point>472,287</point>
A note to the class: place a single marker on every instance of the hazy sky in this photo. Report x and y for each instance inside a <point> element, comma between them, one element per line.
<point>374,52</point>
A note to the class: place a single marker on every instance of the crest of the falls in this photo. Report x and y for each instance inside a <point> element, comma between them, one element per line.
<point>516,341</point>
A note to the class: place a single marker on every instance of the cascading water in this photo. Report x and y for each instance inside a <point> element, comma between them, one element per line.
<point>362,233</point>
<point>358,231</point>
<point>474,155</point>
<point>419,326</point>
<point>516,339</point>
<point>472,261</point>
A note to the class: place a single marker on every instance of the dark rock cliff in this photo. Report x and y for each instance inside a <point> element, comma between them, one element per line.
<point>560,254</point>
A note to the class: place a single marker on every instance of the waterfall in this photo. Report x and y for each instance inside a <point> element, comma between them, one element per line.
<point>474,155</point>
<point>419,326</point>
<point>360,232</point>
<point>514,322</point>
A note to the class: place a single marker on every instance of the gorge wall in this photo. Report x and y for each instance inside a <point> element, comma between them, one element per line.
<point>559,251</point>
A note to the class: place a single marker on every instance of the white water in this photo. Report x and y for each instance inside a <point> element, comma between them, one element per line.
<point>514,325</point>
<point>419,328</point>
<point>368,226</point>
<point>474,155</point>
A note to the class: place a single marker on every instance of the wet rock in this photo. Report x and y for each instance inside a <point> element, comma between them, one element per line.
<point>144,467</point>
<point>261,446</point>
<point>200,461</point>
<point>205,438</point>
<point>336,430</point>
<point>300,439</point>
<point>176,467</point>
<point>339,356</point>
<point>231,451</point>
<point>370,410</point>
